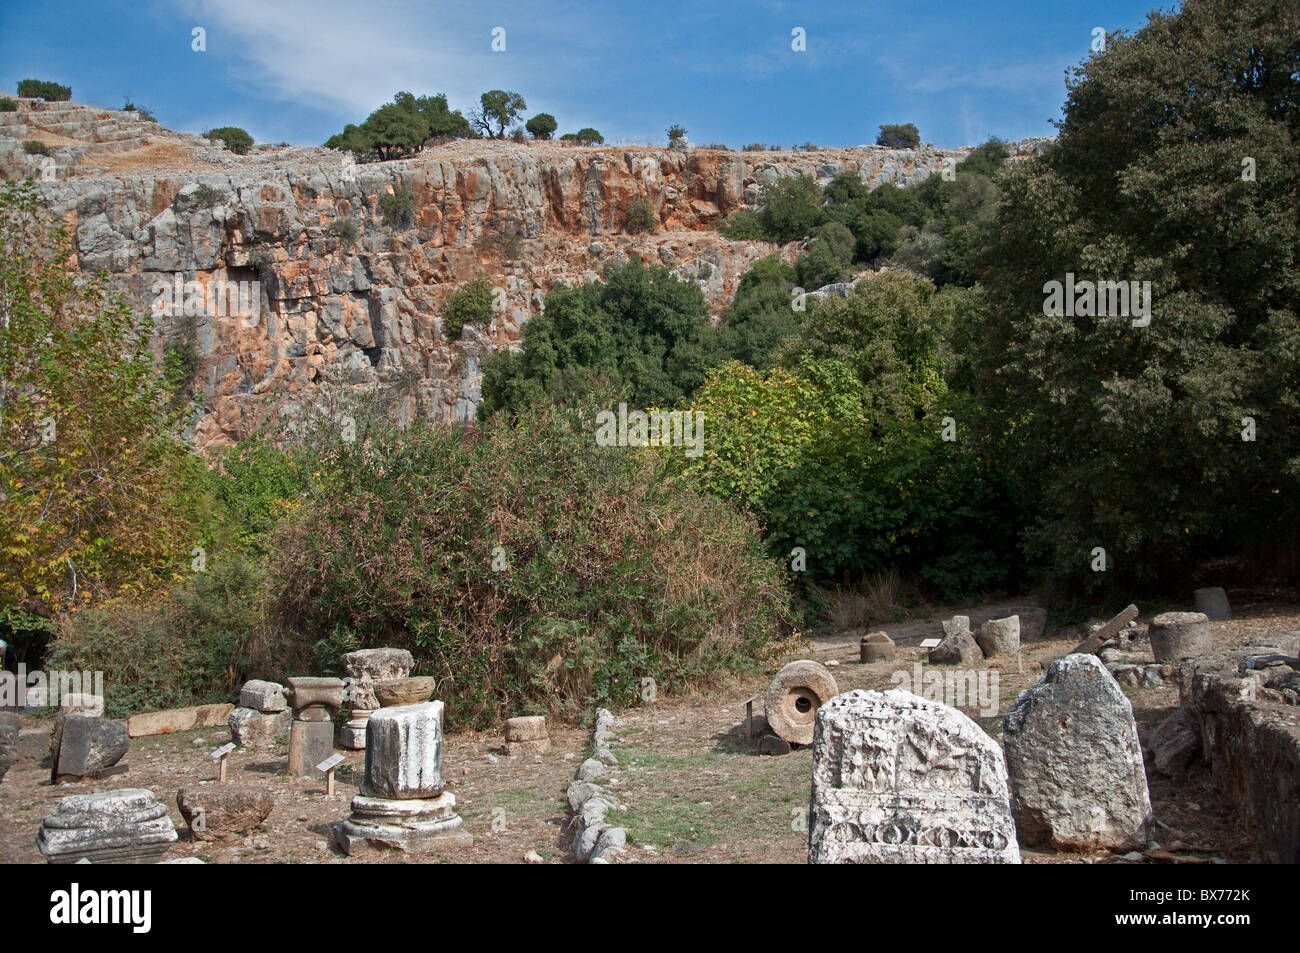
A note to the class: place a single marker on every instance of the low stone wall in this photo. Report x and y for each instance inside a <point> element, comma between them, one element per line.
<point>594,840</point>
<point>1245,705</point>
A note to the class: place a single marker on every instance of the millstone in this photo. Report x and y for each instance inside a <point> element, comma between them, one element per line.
<point>793,698</point>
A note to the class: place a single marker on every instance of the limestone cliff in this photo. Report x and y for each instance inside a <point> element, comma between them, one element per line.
<point>333,306</point>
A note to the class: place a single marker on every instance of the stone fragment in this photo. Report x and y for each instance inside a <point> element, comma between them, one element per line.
<point>526,728</point>
<point>1033,622</point>
<point>397,692</point>
<point>958,623</point>
<point>263,697</point>
<point>1074,761</point>
<point>1175,743</point>
<point>519,748</point>
<point>411,825</point>
<point>367,667</point>
<point>88,747</point>
<point>999,637</point>
<point>1176,636</point>
<point>876,647</point>
<point>957,648</point>
<point>127,826</point>
<point>1107,632</point>
<point>404,752</point>
<point>1213,602</point>
<point>793,698</point>
<point>223,811</point>
<point>34,743</point>
<point>527,735</point>
<point>177,719</point>
<point>310,743</point>
<point>255,729</point>
<point>314,699</point>
<point>900,779</point>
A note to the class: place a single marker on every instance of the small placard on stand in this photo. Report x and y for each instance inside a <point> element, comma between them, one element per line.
<point>329,766</point>
<point>220,756</point>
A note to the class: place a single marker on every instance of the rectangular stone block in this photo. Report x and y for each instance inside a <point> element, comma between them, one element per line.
<point>404,752</point>
<point>212,716</point>
<point>310,743</point>
<point>255,729</point>
<point>162,722</point>
<point>262,696</point>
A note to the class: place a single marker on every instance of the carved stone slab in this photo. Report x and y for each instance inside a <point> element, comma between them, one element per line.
<point>898,779</point>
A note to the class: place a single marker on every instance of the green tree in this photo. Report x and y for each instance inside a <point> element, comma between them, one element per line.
<point>235,139</point>
<point>791,207</point>
<point>93,482</point>
<point>394,131</point>
<point>44,89</point>
<point>640,329</point>
<point>1130,438</point>
<point>541,126</point>
<point>898,136</point>
<point>498,109</point>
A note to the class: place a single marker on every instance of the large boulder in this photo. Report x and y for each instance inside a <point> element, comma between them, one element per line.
<point>223,811</point>
<point>999,636</point>
<point>1075,762</point>
<point>86,747</point>
<point>900,779</point>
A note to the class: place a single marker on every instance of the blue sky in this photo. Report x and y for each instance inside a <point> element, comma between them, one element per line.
<point>297,71</point>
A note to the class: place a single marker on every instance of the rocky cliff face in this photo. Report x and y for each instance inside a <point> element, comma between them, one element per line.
<point>333,298</point>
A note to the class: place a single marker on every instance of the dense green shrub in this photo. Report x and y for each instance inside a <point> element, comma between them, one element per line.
<point>8,105</point>
<point>344,228</point>
<point>759,319</point>
<point>235,139</point>
<point>397,207</point>
<point>469,304</point>
<point>34,147</point>
<point>43,89</point>
<point>828,257</point>
<point>791,208</point>
<point>641,217</point>
<point>197,645</point>
<point>606,573</point>
<point>640,329</point>
<point>208,196</point>
<point>899,136</point>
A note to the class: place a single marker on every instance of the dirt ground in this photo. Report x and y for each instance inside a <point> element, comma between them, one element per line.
<point>691,787</point>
